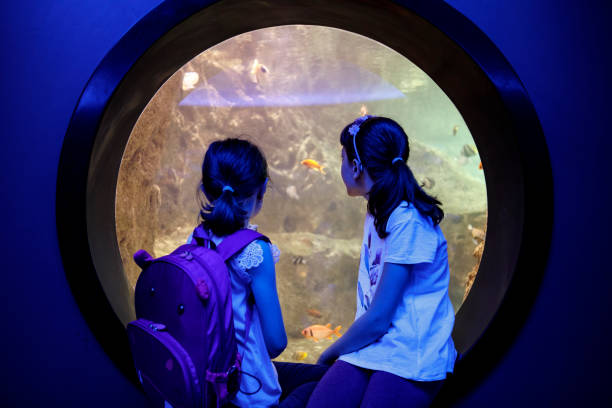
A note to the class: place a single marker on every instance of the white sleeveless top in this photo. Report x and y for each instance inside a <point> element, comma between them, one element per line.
<point>255,359</point>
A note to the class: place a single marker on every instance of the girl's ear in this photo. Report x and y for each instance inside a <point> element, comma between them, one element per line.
<point>357,168</point>
<point>262,190</point>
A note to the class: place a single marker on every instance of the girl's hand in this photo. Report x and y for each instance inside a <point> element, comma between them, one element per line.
<point>327,357</point>
<point>376,320</point>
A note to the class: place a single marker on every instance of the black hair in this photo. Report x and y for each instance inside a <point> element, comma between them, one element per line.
<point>378,141</point>
<point>237,165</point>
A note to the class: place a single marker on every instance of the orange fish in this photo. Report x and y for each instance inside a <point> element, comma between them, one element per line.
<point>363,111</point>
<point>314,313</point>
<point>313,164</point>
<point>480,166</point>
<point>317,332</point>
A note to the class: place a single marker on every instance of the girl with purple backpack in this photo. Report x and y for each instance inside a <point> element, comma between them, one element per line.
<point>234,179</point>
<point>399,350</point>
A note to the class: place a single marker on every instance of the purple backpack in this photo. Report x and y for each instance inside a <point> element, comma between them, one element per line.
<point>183,341</point>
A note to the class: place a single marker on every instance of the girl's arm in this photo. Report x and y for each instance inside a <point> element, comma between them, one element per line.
<point>268,306</point>
<point>376,320</point>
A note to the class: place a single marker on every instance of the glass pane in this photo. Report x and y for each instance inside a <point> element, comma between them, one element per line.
<point>290,90</point>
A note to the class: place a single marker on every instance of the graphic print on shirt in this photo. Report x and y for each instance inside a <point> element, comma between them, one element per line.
<point>360,293</point>
<point>374,270</point>
<point>364,298</point>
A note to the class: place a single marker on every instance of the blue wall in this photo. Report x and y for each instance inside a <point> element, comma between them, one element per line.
<point>560,50</point>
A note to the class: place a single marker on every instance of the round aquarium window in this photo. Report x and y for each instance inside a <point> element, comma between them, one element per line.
<point>288,77</point>
<point>290,90</point>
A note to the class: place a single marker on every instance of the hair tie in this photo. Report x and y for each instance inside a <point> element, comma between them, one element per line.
<point>228,188</point>
<point>396,159</point>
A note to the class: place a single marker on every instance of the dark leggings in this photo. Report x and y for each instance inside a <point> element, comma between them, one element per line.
<point>297,382</point>
<point>345,385</point>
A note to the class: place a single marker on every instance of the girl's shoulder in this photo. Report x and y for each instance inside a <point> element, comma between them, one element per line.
<point>253,254</point>
<point>406,213</point>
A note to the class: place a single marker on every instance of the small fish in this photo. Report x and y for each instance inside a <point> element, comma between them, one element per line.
<point>363,111</point>
<point>480,166</point>
<point>317,332</point>
<point>298,260</point>
<point>455,130</point>
<point>313,164</point>
<point>314,313</point>
<point>257,70</point>
<point>428,183</point>
<point>468,150</point>
<point>190,79</point>
<point>299,355</point>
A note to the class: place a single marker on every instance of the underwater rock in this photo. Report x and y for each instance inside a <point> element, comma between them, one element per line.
<point>477,233</point>
<point>477,253</point>
<point>140,199</point>
<point>454,218</point>
<point>292,192</point>
<point>289,224</point>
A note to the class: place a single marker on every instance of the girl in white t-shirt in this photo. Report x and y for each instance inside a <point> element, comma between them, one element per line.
<point>399,349</point>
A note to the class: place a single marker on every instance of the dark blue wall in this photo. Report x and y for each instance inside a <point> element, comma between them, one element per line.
<point>560,50</point>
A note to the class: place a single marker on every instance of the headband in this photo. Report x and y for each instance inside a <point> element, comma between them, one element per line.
<point>353,130</point>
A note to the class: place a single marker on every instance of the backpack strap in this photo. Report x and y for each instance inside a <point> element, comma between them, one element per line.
<point>237,241</point>
<point>230,244</point>
<point>228,248</point>
<point>200,236</point>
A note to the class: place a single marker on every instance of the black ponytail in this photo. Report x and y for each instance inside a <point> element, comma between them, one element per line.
<point>380,141</point>
<point>232,170</point>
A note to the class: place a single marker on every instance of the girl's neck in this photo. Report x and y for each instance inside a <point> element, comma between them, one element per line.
<point>366,183</point>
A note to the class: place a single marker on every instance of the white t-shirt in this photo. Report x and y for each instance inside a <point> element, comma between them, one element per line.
<point>418,344</point>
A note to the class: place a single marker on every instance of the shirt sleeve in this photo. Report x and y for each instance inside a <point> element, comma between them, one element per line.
<point>251,257</point>
<point>411,240</point>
